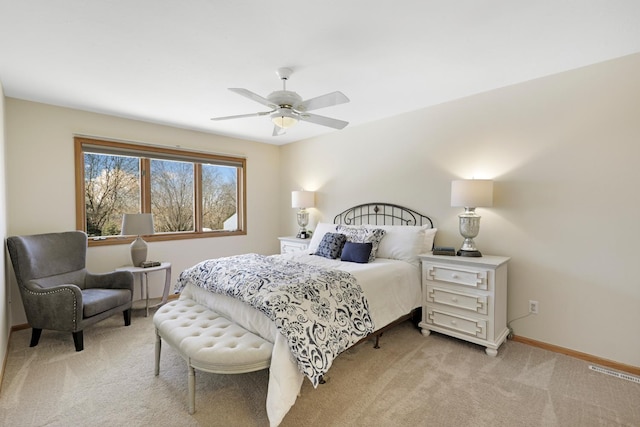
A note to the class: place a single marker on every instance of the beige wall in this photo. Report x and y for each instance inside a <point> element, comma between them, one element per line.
<point>40,195</point>
<point>564,153</point>
<point>5,315</point>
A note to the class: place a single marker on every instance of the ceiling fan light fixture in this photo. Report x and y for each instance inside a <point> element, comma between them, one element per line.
<point>283,120</point>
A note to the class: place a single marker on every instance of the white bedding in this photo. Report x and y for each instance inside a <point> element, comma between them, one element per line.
<point>392,289</point>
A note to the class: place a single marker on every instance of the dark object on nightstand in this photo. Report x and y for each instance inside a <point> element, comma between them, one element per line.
<point>444,250</point>
<point>304,235</point>
<point>148,264</point>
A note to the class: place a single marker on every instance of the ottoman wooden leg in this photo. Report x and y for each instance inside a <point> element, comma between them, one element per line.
<point>192,390</point>
<point>158,348</point>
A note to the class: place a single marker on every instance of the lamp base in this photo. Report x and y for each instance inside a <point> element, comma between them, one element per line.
<point>303,219</point>
<point>469,253</point>
<point>138,252</point>
<point>469,228</point>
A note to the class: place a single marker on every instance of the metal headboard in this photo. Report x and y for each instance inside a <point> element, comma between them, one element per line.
<point>381,214</point>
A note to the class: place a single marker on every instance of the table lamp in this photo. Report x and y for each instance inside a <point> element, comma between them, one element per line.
<point>139,225</point>
<point>470,194</point>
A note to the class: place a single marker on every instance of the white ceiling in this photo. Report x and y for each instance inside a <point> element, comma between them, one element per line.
<point>171,61</point>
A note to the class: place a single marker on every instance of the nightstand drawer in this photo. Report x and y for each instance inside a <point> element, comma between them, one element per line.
<point>288,247</point>
<point>474,278</point>
<point>475,303</point>
<point>292,244</point>
<point>465,325</point>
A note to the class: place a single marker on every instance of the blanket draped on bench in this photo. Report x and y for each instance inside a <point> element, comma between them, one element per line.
<point>321,312</point>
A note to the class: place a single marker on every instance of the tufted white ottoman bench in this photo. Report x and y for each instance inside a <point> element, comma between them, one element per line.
<point>208,342</point>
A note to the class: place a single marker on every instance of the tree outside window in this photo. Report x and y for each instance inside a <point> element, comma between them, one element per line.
<point>112,188</point>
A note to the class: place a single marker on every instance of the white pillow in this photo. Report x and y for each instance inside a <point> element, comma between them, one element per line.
<point>405,242</point>
<point>321,229</point>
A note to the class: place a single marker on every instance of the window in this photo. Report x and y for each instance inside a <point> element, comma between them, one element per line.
<point>190,194</point>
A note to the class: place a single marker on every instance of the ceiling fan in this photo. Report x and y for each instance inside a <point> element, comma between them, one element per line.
<point>287,107</point>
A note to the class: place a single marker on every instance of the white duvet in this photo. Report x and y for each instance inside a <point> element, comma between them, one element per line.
<point>392,289</point>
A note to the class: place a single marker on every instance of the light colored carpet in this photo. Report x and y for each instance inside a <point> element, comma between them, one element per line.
<point>411,381</point>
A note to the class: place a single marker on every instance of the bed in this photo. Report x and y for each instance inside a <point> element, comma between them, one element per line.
<point>372,284</point>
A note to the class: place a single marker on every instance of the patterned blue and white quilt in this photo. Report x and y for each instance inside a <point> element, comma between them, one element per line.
<point>321,312</point>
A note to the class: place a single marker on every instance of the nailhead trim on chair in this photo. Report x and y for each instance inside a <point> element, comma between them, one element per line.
<point>75,300</point>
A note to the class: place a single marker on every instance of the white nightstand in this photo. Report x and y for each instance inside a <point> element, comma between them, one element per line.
<point>144,281</point>
<point>466,298</point>
<point>292,244</point>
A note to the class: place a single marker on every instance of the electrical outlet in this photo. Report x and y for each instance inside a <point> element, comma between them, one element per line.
<point>533,306</point>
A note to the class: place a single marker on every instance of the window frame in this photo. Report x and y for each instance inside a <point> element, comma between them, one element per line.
<point>147,153</point>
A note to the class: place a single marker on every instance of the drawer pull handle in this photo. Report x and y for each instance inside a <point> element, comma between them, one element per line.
<point>454,276</point>
<point>453,322</point>
<point>454,299</point>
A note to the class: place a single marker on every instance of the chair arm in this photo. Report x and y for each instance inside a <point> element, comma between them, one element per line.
<point>120,279</point>
<point>57,307</point>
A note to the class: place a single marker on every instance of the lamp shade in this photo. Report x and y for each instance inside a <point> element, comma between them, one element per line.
<point>472,193</point>
<point>137,224</point>
<point>303,199</point>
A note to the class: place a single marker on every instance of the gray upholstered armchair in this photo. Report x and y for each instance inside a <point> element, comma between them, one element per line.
<point>58,292</point>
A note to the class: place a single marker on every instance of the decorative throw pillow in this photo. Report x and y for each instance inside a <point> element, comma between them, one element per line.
<point>356,252</point>
<point>361,234</point>
<point>331,245</point>
<point>321,229</point>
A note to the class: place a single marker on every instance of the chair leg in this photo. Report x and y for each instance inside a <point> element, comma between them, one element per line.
<point>127,317</point>
<point>35,336</point>
<point>78,340</point>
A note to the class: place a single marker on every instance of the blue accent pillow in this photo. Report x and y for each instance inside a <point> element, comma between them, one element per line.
<point>331,245</point>
<point>356,252</point>
<point>362,234</point>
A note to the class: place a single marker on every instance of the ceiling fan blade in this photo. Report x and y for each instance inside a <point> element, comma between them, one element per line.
<point>322,101</point>
<point>253,96</point>
<point>277,131</point>
<point>324,121</point>
<point>241,116</point>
